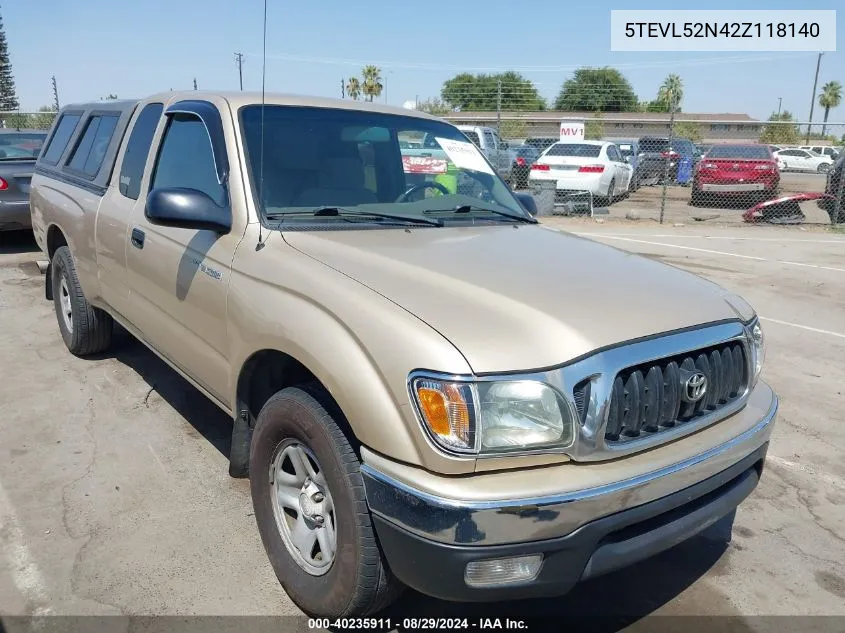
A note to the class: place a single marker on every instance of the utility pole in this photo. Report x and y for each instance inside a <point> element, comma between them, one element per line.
<point>55,94</point>
<point>195,83</point>
<point>342,88</point>
<point>499,106</point>
<point>780,101</point>
<point>239,60</point>
<point>813,100</point>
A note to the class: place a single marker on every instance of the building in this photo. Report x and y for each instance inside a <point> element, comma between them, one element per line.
<point>714,128</point>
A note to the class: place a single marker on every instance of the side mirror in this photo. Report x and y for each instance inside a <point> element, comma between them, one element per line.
<point>186,209</point>
<point>527,201</point>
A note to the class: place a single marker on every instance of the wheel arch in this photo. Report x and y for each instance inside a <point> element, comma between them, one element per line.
<point>55,240</point>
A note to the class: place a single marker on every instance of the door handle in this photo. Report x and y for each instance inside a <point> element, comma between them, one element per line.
<point>137,238</point>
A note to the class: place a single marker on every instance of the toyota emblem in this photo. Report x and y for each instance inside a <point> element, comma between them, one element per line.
<point>694,387</point>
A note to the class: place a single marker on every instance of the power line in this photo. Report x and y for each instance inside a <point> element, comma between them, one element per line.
<point>709,61</point>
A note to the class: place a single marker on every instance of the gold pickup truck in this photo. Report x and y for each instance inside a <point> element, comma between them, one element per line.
<point>428,387</point>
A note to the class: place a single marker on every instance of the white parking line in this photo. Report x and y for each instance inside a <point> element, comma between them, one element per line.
<point>804,327</point>
<point>25,573</point>
<point>712,252</point>
<point>719,237</point>
<point>801,468</point>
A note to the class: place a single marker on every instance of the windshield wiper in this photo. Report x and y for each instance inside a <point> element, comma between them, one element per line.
<point>346,212</point>
<point>466,208</point>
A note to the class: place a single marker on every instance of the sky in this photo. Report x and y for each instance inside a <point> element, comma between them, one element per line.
<point>135,48</point>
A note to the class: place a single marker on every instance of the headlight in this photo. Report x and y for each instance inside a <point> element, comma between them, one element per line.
<point>758,348</point>
<point>493,416</point>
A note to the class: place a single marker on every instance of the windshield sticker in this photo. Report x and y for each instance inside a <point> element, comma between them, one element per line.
<point>464,155</point>
<point>424,165</point>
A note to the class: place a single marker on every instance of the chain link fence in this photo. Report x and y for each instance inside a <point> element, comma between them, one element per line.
<point>668,165</point>
<point>675,168</point>
<point>27,120</point>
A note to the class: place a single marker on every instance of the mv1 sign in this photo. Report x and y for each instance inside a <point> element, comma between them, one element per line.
<point>572,130</point>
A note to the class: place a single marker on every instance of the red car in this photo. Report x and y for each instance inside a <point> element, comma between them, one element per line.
<point>735,170</point>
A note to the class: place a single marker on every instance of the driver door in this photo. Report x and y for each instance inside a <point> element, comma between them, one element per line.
<point>178,278</point>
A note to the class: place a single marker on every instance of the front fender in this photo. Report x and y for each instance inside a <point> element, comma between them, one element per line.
<point>360,346</point>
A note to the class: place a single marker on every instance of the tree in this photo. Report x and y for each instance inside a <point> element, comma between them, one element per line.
<point>433,106</point>
<point>688,129</point>
<point>486,92</point>
<point>372,85</point>
<point>671,92</point>
<point>109,97</point>
<point>353,88</point>
<point>830,97</point>
<point>597,90</point>
<point>44,119</point>
<point>8,96</point>
<point>594,128</point>
<point>781,129</point>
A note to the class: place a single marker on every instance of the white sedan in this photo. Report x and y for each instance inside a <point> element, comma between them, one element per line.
<point>584,166</point>
<point>794,159</point>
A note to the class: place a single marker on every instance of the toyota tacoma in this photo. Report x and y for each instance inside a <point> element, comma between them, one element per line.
<point>428,387</point>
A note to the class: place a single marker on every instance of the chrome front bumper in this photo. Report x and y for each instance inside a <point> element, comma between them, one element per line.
<point>489,522</point>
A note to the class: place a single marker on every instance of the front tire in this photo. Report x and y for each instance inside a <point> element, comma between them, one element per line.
<point>85,329</point>
<point>290,493</point>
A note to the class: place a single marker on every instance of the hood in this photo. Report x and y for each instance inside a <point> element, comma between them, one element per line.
<point>521,298</point>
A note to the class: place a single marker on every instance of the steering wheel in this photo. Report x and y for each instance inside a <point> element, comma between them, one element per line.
<point>423,185</point>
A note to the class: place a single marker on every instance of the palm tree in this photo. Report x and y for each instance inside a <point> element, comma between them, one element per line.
<point>372,81</point>
<point>353,88</point>
<point>671,92</point>
<point>830,97</point>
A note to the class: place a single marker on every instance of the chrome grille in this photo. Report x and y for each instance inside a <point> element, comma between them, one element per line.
<point>649,398</point>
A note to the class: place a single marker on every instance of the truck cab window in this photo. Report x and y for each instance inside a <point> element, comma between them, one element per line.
<point>138,149</point>
<point>91,149</point>
<point>186,159</point>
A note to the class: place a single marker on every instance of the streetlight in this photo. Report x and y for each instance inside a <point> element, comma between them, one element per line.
<point>780,100</point>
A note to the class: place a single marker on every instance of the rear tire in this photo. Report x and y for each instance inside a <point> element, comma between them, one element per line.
<point>85,329</point>
<point>607,199</point>
<point>823,168</point>
<point>357,580</point>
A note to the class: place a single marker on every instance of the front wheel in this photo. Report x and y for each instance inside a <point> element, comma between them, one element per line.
<point>311,510</point>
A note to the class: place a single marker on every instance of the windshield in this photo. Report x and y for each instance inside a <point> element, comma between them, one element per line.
<point>368,162</point>
<point>21,144</point>
<point>473,137</point>
<point>654,145</point>
<point>526,151</point>
<point>758,152</point>
<point>574,149</point>
<point>540,143</point>
<point>626,149</point>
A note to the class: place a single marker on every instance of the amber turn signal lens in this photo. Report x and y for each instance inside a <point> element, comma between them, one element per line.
<point>446,412</point>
